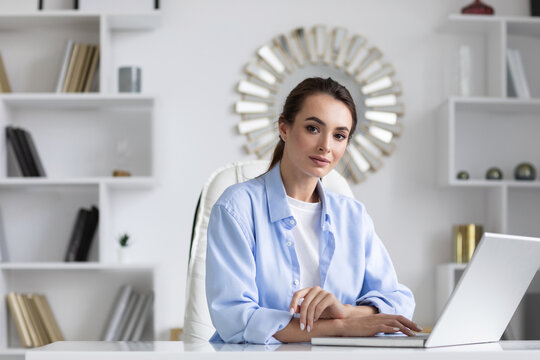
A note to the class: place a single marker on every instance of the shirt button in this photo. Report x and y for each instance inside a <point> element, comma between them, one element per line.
<point>291,222</point>
<point>296,282</point>
<point>289,243</point>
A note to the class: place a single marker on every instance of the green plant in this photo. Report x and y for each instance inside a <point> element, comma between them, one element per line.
<point>124,240</point>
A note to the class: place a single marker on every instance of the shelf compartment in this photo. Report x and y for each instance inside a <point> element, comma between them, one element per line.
<point>64,101</point>
<point>523,212</point>
<point>38,222</point>
<point>481,133</point>
<point>86,296</point>
<point>33,266</point>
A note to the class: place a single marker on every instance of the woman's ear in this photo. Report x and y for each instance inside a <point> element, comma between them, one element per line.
<point>283,128</point>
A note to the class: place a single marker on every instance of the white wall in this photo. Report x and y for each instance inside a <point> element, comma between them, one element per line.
<point>193,63</point>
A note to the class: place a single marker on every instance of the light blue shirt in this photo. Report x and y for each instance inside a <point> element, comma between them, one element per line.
<point>252,269</point>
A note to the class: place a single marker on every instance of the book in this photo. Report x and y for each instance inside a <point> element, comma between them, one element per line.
<point>145,313</point>
<point>49,321</point>
<point>119,306</point>
<point>21,137</point>
<point>17,316</point>
<point>76,235</point>
<point>86,68</point>
<point>4,253</point>
<point>126,315</point>
<point>64,67</point>
<point>89,231</point>
<point>92,70</point>
<point>36,159</point>
<point>69,72</point>
<point>5,87</point>
<point>134,316</point>
<point>516,74</point>
<point>78,68</point>
<point>26,316</point>
<point>35,319</point>
<point>13,141</point>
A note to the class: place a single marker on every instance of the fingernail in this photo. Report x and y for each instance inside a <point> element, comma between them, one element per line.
<point>421,328</point>
<point>395,329</point>
<point>302,326</point>
<point>308,328</point>
<point>291,310</point>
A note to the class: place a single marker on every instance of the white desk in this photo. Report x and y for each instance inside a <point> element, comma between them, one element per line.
<point>166,350</point>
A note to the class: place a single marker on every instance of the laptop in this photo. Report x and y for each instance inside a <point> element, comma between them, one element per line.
<point>483,302</point>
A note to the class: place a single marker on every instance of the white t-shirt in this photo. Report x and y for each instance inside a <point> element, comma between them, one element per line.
<point>307,233</point>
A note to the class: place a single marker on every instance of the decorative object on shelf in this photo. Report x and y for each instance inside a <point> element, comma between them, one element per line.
<point>494,173</point>
<point>129,79</point>
<point>118,6</point>
<point>465,239</point>
<point>78,72</point>
<point>535,7</point>
<point>176,334</point>
<point>525,171</point>
<point>24,153</point>
<point>124,245</point>
<point>462,175</point>
<point>478,8</point>
<point>289,58</point>
<point>121,173</point>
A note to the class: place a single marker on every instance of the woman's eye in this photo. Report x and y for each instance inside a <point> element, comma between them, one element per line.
<point>312,129</point>
<point>340,137</point>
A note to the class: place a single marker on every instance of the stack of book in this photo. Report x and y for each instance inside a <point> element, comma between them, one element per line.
<point>78,72</point>
<point>128,315</point>
<point>34,319</point>
<point>4,82</point>
<point>24,152</point>
<point>82,234</point>
<point>517,80</point>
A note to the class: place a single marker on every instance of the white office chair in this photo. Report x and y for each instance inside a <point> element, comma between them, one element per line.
<point>197,324</point>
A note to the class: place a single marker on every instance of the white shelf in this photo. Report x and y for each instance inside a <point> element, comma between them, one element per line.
<point>496,104</point>
<point>75,100</point>
<point>135,21</point>
<point>13,352</point>
<point>116,183</point>
<point>38,266</point>
<point>496,183</point>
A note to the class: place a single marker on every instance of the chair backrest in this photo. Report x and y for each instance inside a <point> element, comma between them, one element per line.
<point>197,324</point>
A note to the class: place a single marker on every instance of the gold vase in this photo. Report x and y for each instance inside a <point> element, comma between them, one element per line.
<point>465,238</point>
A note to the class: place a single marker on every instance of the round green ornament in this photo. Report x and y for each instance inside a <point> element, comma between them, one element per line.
<point>463,175</point>
<point>525,171</point>
<point>494,173</point>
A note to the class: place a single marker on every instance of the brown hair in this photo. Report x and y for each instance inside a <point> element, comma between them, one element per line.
<point>295,101</point>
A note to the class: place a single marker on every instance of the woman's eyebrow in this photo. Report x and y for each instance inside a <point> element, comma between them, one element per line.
<point>322,123</point>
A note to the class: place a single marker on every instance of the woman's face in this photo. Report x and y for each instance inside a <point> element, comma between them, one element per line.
<point>316,141</point>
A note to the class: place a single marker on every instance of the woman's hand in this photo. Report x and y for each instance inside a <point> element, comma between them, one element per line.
<point>379,323</point>
<point>317,304</point>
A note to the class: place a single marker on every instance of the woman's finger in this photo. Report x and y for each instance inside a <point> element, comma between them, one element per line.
<point>315,303</point>
<point>294,307</point>
<point>308,298</point>
<point>404,329</point>
<point>326,302</point>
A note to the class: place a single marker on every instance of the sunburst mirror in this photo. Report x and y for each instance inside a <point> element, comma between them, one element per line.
<point>289,58</point>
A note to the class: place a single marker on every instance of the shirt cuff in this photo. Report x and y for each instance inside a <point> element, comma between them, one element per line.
<point>380,304</point>
<point>264,323</point>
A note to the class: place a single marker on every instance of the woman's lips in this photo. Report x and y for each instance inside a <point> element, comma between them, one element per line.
<point>319,161</point>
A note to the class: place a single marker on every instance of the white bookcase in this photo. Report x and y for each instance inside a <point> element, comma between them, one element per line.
<point>492,129</point>
<point>81,139</point>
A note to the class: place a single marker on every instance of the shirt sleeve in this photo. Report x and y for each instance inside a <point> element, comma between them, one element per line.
<point>231,288</point>
<point>381,287</point>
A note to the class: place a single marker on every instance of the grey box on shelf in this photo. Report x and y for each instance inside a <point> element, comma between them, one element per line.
<point>129,79</point>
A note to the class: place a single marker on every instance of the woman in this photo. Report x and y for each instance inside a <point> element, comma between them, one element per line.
<point>288,260</point>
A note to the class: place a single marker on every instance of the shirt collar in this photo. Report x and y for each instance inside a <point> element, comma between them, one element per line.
<point>278,207</point>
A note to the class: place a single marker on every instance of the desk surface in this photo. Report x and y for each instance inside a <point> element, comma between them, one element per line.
<point>161,350</point>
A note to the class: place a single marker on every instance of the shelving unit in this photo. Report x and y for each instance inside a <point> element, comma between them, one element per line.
<point>493,129</point>
<point>81,139</point>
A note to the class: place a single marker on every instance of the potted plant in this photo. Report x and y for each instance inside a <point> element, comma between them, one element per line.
<point>123,248</point>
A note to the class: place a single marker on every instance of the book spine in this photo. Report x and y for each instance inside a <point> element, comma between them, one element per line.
<point>89,232</point>
<point>52,327</point>
<point>17,149</point>
<point>116,313</point>
<point>69,72</point>
<point>34,153</point>
<point>64,68</point>
<point>27,320</point>
<point>521,74</point>
<point>141,321</point>
<point>132,321</point>
<point>20,324</point>
<point>27,154</point>
<point>92,70</point>
<point>5,87</point>
<point>126,316</point>
<point>37,321</point>
<point>76,235</point>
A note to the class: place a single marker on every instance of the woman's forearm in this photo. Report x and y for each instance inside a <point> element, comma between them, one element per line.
<point>323,327</point>
<point>361,310</point>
